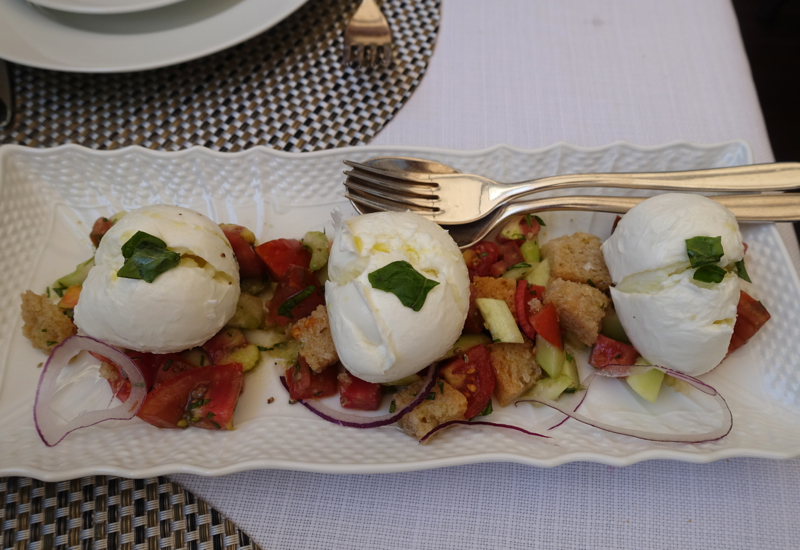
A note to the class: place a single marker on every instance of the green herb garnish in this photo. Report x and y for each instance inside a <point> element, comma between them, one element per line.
<point>487,410</point>
<point>392,407</point>
<point>48,291</point>
<point>285,309</point>
<point>401,279</point>
<point>441,386</point>
<point>50,343</point>
<point>742,271</point>
<point>209,414</point>
<point>167,364</point>
<point>528,219</point>
<point>431,396</point>
<point>146,257</point>
<point>217,426</point>
<point>59,290</point>
<point>709,274</point>
<point>541,222</point>
<point>704,250</point>
<point>591,283</point>
<point>569,357</point>
<point>521,264</point>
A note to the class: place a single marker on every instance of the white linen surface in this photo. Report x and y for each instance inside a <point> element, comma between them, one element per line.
<point>531,73</point>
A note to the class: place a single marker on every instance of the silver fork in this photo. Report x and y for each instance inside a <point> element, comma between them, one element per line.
<point>455,198</point>
<point>368,37</point>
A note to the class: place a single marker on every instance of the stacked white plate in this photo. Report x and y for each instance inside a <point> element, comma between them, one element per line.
<point>129,35</point>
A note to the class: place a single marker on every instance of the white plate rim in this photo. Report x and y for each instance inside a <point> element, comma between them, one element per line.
<point>249,26</point>
<point>129,6</point>
<point>385,467</point>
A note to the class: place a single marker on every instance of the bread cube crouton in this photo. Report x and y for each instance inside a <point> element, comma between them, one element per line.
<point>447,404</point>
<point>515,369</point>
<point>580,308</point>
<point>316,342</point>
<point>499,289</point>
<point>577,258</point>
<point>45,325</point>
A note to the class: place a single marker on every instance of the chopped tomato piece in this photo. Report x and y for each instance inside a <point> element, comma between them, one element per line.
<point>525,293</point>
<point>479,258</point>
<point>148,364</point>
<point>750,317</point>
<point>223,343</point>
<point>100,228</point>
<point>355,393</point>
<point>509,256</point>
<point>70,298</point>
<point>306,384</point>
<point>616,222</point>
<point>204,397</point>
<point>279,254</point>
<point>472,374</point>
<point>298,294</point>
<point>474,322</point>
<point>545,323</point>
<point>251,266</point>
<point>606,351</point>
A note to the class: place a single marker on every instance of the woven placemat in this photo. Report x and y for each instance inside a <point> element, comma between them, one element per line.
<point>110,513</point>
<point>286,88</point>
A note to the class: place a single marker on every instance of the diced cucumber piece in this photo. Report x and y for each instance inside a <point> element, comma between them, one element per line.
<point>77,277</point>
<point>254,287</point>
<point>550,388</point>
<point>571,369</point>
<point>540,274</point>
<point>530,251</point>
<point>517,273</point>
<point>612,327</point>
<point>513,229</point>
<point>317,243</point>
<point>249,313</point>
<point>407,381</point>
<point>248,357</point>
<point>647,384</point>
<point>285,351</point>
<point>549,357</point>
<point>466,341</point>
<point>499,320</point>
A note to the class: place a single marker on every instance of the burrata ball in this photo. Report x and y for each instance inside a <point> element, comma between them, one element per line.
<point>377,337</point>
<point>672,319</point>
<point>183,307</point>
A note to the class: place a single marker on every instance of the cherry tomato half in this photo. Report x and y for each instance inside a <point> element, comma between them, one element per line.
<point>302,287</point>
<point>204,397</point>
<point>750,317</point>
<point>480,258</point>
<point>606,351</point>
<point>525,293</point>
<point>251,266</point>
<point>279,254</point>
<point>472,374</point>
<point>545,323</point>
<point>306,384</point>
<point>355,393</point>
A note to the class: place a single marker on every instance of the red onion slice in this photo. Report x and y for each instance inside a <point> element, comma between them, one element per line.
<point>49,430</point>
<point>621,371</point>
<point>357,421</point>
<point>469,423</point>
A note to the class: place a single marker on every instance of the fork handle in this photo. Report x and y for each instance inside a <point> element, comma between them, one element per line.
<point>781,176</point>
<point>746,208</point>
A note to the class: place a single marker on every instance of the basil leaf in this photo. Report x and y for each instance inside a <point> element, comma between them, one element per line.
<point>538,219</point>
<point>529,219</point>
<point>401,279</point>
<point>521,264</point>
<point>704,250</point>
<point>487,410</point>
<point>742,271</point>
<point>148,260</point>
<point>709,274</point>
<point>129,247</point>
<point>285,309</point>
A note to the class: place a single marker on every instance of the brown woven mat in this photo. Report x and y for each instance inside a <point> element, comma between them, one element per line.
<point>286,88</point>
<point>110,513</point>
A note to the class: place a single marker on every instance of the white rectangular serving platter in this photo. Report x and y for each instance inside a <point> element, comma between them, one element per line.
<point>50,197</point>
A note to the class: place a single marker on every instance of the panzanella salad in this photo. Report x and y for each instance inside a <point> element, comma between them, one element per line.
<point>391,316</point>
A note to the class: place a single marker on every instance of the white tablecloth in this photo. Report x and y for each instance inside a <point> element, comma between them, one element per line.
<point>531,73</point>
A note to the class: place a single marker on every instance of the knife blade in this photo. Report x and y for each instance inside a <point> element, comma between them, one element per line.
<point>6,96</point>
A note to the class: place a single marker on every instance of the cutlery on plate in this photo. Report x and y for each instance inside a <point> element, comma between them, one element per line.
<point>368,37</point>
<point>6,96</point>
<point>448,197</point>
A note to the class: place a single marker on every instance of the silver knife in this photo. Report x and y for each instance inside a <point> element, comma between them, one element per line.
<point>6,96</point>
